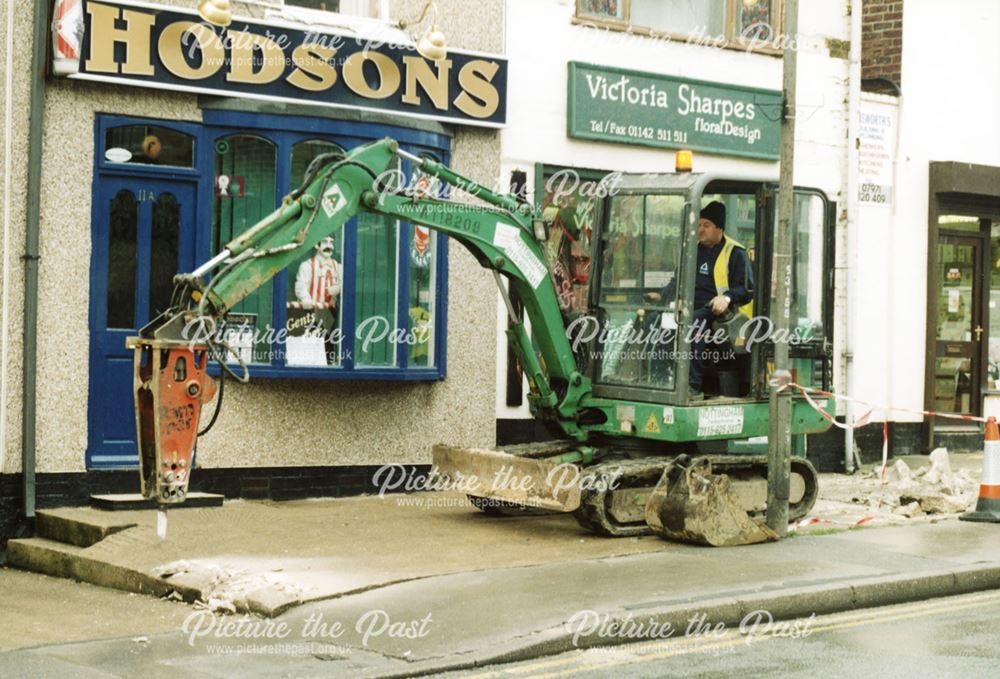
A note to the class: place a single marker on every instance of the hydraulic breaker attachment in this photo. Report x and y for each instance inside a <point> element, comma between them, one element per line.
<point>693,504</point>
<point>171,387</point>
<point>504,480</point>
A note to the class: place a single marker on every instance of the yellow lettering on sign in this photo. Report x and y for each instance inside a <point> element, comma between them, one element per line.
<point>480,98</point>
<point>242,67</point>
<point>136,36</point>
<point>652,426</point>
<point>418,71</point>
<point>388,74</point>
<point>176,39</point>
<point>314,73</point>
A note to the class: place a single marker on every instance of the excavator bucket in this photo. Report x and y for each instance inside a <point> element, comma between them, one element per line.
<point>499,476</point>
<point>171,386</point>
<point>691,504</point>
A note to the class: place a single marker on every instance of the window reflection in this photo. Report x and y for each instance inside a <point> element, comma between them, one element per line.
<point>375,290</point>
<point>640,255</point>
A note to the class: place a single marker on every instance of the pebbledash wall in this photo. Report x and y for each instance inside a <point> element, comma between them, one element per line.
<point>547,38</point>
<point>276,436</point>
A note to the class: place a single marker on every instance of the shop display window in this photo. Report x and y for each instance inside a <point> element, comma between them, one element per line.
<point>367,302</point>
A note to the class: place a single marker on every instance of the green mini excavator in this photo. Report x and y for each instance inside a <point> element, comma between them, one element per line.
<point>632,453</point>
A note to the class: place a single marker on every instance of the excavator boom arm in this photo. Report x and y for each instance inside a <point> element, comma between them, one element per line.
<point>501,237</point>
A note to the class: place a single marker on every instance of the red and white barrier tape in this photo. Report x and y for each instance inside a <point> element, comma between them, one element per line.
<point>813,520</point>
<point>866,418</point>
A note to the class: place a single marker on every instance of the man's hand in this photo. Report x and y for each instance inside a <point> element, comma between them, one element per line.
<point>719,304</point>
<point>653,297</point>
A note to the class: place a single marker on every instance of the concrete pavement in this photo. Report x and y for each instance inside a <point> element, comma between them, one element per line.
<point>423,584</point>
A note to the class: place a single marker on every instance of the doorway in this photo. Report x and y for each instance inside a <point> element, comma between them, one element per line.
<point>142,236</point>
<point>962,273</point>
<point>961,332</point>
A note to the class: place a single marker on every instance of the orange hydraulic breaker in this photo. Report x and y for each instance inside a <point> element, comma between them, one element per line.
<point>171,387</point>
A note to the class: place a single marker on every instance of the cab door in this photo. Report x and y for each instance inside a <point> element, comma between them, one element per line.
<point>141,231</point>
<point>812,290</point>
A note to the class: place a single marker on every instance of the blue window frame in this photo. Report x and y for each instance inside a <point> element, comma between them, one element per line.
<point>415,305</point>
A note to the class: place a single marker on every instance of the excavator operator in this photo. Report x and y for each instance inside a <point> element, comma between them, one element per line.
<point>724,280</point>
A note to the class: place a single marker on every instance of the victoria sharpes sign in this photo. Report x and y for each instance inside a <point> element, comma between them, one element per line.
<point>633,107</point>
<point>162,47</point>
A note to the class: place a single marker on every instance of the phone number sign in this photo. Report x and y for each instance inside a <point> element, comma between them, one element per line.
<point>649,109</point>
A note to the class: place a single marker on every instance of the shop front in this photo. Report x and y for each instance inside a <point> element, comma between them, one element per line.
<point>163,138</point>
<point>963,310</point>
<point>372,307</point>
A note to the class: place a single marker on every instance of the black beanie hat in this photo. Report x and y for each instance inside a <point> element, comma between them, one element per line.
<point>715,212</point>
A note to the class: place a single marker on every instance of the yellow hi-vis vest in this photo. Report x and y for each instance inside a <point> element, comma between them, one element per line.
<point>721,273</point>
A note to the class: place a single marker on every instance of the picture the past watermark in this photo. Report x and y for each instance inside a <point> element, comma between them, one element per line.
<point>559,480</point>
<point>590,628</point>
<point>317,632</point>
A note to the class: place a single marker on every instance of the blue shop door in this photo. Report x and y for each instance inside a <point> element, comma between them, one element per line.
<point>143,233</point>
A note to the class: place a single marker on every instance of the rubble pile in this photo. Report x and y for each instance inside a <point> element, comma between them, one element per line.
<point>225,588</point>
<point>932,490</point>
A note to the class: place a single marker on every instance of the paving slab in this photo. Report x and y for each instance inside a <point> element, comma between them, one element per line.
<point>265,557</point>
<point>403,585</point>
<point>469,619</point>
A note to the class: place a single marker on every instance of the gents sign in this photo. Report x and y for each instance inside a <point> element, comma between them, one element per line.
<point>161,48</point>
<point>631,107</point>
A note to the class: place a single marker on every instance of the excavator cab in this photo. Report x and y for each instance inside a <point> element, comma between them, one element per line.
<point>642,291</point>
<point>639,352</point>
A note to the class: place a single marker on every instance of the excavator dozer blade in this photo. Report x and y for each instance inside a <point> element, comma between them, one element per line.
<point>691,504</point>
<point>495,475</point>
<point>171,387</point>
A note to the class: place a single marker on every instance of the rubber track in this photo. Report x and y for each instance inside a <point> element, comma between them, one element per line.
<point>592,513</point>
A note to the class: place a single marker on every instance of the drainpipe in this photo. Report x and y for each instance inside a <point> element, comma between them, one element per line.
<point>7,136</point>
<point>853,105</point>
<point>28,391</point>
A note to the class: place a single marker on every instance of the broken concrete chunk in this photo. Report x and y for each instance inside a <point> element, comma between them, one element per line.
<point>172,568</point>
<point>940,471</point>
<point>220,605</point>
<point>901,471</point>
<point>937,503</point>
<point>909,510</point>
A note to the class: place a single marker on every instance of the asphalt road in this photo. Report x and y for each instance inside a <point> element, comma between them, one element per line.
<point>948,637</point>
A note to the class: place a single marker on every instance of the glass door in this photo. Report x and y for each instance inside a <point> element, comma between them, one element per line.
<point>960,330</point>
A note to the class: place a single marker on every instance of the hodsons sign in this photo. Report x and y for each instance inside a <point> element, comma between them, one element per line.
<point>152,47</point>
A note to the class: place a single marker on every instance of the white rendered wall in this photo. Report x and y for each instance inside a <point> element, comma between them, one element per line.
<point>541,40</point>
<point>949,111</point>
